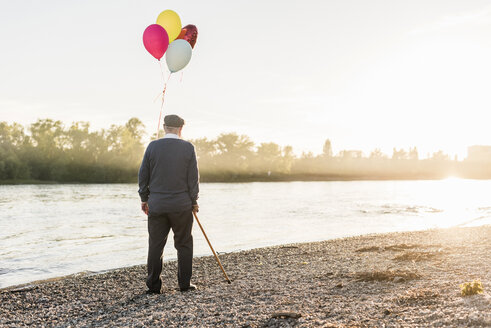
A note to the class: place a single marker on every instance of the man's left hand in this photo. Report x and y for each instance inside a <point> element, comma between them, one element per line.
<point>145,207</point>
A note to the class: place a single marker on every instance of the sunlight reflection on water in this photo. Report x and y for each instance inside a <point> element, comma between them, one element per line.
<point>53,230</point>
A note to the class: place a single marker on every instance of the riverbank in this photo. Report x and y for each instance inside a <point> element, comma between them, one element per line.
<point>396,279</point>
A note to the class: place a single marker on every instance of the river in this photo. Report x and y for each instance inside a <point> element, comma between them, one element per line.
<point>54,230</point>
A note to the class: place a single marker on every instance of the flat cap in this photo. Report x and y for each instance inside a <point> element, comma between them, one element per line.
<point>173,121</point>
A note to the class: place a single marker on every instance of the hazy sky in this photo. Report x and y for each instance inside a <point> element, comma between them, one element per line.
<point>363,73</point>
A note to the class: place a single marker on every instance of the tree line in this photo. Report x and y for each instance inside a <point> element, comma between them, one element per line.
<point>47,150</point>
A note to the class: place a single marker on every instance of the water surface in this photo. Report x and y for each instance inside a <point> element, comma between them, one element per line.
<point>55,230</point>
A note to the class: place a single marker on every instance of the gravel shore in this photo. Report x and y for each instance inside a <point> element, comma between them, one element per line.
<point>408,279</point>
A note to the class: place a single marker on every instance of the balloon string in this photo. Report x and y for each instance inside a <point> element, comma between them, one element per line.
<point>162,105</point>
<point>162,71</point>
<point>182,74</point>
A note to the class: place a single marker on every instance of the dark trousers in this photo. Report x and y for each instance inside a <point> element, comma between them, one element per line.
<point>158,229</point>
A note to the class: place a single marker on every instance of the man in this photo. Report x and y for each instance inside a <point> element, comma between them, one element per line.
<point>169,186</point>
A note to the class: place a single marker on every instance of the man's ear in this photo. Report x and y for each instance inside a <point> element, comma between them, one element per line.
<point>180,131</point>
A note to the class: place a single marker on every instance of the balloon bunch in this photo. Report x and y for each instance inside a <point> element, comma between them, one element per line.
<point>168,37</point>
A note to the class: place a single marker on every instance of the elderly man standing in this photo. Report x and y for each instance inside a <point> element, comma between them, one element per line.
<point>169,186</point>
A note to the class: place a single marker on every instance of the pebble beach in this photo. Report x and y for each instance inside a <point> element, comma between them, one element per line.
<point>407,279</point>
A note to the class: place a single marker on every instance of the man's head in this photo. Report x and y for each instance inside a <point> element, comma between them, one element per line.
<point>173,124</point>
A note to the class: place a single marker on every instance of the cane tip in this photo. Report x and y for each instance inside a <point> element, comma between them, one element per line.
<point>229,281</point>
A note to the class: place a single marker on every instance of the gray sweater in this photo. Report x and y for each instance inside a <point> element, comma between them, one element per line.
<point>168,176</point>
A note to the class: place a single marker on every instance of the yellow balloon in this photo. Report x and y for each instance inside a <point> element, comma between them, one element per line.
<point>170,20</point>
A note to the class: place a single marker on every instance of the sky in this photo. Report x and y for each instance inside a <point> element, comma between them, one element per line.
<point>364,74</point>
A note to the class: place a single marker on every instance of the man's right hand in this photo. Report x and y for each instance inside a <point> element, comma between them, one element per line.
<point>145,207</point>
<point>196,208</point>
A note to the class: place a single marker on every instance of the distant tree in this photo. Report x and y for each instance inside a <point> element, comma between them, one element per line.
<point>132,141</point>
<point>327,149</point>
<point>231,143</point>
<point>288,152</point>
<point>269,156</point>
<point>234,150</point>
<point>399,154</point>
<point>204,148</point>
<point>78,141</point>
<point>350,154</point>
<point>307,155</point>
<point>269,150</point>
<point>12,135</point>
<point>440,156</point>
<point>12,142</point>
<point>288,158</point>
<point>46,158</point>
<point>48,136</point>
<point>377,154</point>
<point>136,128</point>
<point>413,154</point>
<point>125,146</point>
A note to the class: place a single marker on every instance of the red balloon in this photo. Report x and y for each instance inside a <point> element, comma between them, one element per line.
<point>156,40</point>
<point>191,34</point>
<point>182,34</point>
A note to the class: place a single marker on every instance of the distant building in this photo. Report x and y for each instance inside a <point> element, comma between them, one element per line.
<point>349,154</point>
<point>479,153</point>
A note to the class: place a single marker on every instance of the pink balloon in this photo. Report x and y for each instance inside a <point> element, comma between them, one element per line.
<point>156,40</point>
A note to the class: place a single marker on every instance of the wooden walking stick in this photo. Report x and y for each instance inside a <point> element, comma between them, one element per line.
<point>216,257</point>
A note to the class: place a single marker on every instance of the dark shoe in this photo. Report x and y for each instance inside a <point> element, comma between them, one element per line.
<point>191,287</point>
<point>151,291</point>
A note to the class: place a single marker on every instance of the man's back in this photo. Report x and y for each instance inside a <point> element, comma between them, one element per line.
<point>168,176</point>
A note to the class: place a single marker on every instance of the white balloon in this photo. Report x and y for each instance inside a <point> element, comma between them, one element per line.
<point>178,55</point>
